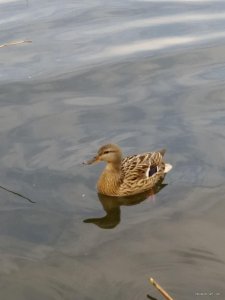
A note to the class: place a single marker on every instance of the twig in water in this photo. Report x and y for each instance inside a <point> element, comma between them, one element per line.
<point>18,194</point>
<point>15,43</point>
<point>160,289</point>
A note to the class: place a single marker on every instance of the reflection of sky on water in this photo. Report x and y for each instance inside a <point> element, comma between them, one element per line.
<point>75,35</point>
<point>146,75</point>
<point>53,133</point>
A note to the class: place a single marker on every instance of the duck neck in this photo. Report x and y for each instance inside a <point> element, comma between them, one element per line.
<point>113,167</point>
<point>110,179</point>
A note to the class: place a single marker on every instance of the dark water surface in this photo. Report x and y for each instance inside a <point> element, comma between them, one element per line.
<point>144,74</point>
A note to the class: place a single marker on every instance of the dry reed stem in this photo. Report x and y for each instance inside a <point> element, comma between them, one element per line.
<point>160,289</point>
<point>15,43</point>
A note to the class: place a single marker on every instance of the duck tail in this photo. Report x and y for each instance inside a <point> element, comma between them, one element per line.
<point>162,151</point>
<point>168,167</point>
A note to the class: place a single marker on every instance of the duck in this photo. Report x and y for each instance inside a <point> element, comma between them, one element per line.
<point>130,175</point>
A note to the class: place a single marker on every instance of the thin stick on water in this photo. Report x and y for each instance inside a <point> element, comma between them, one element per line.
<point>160,289</point>
<point>17,194</point>
<point>15,43</point>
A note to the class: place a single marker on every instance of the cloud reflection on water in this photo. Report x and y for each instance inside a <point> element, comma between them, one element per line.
<point>71,91</point>
<point>159,21</point>
<point>155,44</point>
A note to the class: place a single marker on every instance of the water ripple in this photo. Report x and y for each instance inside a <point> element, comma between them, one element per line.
<point>156,44</point>
<point>159,21</point>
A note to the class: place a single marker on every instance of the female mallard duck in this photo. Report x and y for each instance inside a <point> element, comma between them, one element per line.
<point>130,175</point>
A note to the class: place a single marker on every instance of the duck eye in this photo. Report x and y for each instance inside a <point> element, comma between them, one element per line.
<point>106,152</point>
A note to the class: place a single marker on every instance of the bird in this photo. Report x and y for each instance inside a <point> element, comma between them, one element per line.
<point>130,175</point>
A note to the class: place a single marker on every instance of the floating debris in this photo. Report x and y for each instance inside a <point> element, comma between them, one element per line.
<point>17,194</point>
<point>160,289</point>
<point>15,43</point>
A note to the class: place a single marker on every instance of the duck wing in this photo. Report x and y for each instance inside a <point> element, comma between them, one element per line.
<point>141,172</point>
<point>137,165</point>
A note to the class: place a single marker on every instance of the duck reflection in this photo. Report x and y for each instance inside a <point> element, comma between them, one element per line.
<point>111,206</point>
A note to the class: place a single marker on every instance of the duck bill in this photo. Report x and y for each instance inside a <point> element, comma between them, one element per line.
<point>95,159</point>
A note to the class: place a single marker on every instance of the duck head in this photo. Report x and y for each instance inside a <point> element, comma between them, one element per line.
<point>109,153</point>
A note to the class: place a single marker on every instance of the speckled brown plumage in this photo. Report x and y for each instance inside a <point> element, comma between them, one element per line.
<point>130,175</point>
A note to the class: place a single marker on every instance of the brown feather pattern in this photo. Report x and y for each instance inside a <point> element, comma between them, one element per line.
<point>134,170</point>
<point>130,175</point>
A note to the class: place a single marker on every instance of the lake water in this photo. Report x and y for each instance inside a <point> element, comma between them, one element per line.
<point>141,73</point>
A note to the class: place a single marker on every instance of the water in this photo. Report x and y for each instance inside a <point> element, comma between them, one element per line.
<point>146,75</point>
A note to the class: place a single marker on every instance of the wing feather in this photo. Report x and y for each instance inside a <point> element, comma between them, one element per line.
<point>134,170</point>
<point>138,164</point>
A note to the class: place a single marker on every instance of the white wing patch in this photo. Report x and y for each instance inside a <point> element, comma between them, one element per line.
<point>168,167</point>
<point>147,172</point>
